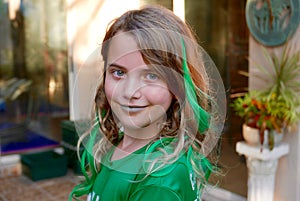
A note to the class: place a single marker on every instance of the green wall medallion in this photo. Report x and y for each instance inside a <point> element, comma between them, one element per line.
<point>272,22</point>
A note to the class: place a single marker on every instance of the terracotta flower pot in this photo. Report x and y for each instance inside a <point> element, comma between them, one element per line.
<point>251,136</point>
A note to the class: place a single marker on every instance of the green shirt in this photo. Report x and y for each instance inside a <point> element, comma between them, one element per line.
<point>124,180</point>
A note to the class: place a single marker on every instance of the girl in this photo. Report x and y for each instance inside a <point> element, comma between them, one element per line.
<point>155,111</point>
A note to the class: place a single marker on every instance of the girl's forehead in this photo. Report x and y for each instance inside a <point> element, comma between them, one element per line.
<point>120,46</point>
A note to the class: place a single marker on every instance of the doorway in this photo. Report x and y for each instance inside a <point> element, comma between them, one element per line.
<point>221,28</point>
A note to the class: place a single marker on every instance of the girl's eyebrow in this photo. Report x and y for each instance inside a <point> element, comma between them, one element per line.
<point>116,65</point>
<point>124,67</point>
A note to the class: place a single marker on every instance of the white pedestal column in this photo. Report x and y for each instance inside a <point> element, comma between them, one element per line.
<point>262,166</point>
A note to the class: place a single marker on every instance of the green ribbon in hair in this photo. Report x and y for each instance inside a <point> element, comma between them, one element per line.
<point>202,117</point>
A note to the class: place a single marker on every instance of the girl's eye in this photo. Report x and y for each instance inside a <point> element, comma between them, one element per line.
<point>152,76</point>
<point>118,73</point>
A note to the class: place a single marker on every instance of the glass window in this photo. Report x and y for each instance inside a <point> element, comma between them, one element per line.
<point>33,48</point>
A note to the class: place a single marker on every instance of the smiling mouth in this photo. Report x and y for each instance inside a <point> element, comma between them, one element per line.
<point>133,108</point>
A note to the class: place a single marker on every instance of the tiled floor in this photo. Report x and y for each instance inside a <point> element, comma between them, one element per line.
<point>58,189</point>
<point>22,188</point>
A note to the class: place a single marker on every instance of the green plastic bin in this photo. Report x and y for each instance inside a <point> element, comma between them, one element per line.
<point>69,143</point>
<point>69,134</point>
<point>44,165</point>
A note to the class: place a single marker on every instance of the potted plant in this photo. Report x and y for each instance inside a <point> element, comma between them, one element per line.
<point>275,107</point>
<point>259,112</point>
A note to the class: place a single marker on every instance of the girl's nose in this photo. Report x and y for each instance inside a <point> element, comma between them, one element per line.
<point>132,88</point>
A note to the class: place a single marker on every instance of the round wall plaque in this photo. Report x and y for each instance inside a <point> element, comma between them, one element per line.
<point>272,22</point>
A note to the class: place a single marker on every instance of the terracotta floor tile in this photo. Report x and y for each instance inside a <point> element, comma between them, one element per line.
<point>22,188</point>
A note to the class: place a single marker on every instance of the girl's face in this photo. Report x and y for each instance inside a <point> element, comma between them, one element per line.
<point>138,96</point>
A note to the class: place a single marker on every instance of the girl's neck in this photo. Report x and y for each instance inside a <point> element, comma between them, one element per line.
<point>146,133</point>
<point>127,146</point>
<point>133,140</point>
<point>130,144</point>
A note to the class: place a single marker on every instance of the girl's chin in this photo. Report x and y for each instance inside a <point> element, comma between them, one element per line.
<point>144,130</point>
<point>133,125</point>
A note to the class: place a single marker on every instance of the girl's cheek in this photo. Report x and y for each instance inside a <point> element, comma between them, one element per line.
<point>159,95</point>
<point>109,90</point>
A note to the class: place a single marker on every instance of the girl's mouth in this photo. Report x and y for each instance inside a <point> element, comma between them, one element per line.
<point>133,108</point>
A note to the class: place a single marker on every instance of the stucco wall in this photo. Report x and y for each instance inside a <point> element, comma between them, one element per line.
<point>288,173</point>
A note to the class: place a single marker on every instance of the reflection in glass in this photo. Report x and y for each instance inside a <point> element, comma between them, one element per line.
<point>33,46</point>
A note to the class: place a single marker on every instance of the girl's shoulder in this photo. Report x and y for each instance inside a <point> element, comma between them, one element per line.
<point>160,159</point>
<point>174,180</point>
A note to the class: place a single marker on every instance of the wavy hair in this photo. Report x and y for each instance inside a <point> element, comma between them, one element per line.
<point>161,37</point>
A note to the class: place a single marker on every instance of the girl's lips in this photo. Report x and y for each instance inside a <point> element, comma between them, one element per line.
<point>134,108</point>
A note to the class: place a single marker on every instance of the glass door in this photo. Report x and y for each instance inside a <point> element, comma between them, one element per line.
<point>221,29</point>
